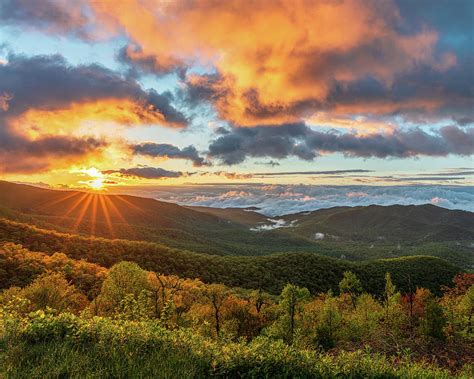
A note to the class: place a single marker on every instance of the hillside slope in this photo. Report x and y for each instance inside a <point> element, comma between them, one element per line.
<point>397,223</point>
<point>270,272</point>
<point>353,234</point>
<point>135,218</point>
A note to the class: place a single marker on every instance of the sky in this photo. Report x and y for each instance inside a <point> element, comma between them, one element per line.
<point>131,94</point>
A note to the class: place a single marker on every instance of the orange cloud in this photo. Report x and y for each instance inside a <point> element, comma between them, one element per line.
<point>276,59</point>
<point>85,118</point>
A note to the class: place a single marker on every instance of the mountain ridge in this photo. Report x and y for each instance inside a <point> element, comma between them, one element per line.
<point>353,233</point>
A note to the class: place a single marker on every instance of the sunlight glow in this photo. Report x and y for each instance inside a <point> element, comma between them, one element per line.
<point>96,184</point>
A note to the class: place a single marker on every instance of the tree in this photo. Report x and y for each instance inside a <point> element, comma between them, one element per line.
<point>54,291</point>
<point>351,285</point>
<point>124,278</point>
<point>458,305</point>
<point>362,323</point>
<point>163,289</point>
<point>259,299</point>
<point>434,320</point>
<point>329,321</point>
<point>409,298</point>
<point>462,282</point>
<point>216,294</point>
<point>291,299</point>
<point>390,293</point>
<point>394,315</point>
<point>467,309</point>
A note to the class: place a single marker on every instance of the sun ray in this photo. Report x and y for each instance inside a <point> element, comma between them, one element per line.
<point>50,203</point>
<point>75,205</point>
<point>83,210</point>
<point>105,211</point>
<point>110,203</point>
<point>94,213</point>
<point>129,203</point>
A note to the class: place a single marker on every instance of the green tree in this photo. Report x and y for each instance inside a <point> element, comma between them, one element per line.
<point>54,291</point>
<point>434,320</point>
<point>351,285</point>
<point>391,296</point>
<point>259,299</point>
<point>216,295</point>
<point>467,310</point>
<point>362,323</point>
<point>124,278</point>
<point>329,321</point>
<point>291,300</point>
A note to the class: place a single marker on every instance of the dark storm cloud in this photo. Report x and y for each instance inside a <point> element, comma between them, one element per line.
<point>265,141</point>
<point>270,163</point>
<point>20,155</point>
<point>47,15</point>
<point>423,93</point>
<point>146,173</point>
<point>164,150</point>
<point>139,63</point>
<point>301,141</point>
<point>57,145</point>
<point>49,82</point>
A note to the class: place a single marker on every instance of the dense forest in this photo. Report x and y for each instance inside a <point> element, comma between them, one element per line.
<point>269,272</point>
<point>63,317</point>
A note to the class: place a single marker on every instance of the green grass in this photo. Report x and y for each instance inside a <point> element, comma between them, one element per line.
<point>47,346</point>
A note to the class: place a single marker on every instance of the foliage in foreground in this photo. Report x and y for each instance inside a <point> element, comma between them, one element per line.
<point>47,345</point>
<point>143,324</point>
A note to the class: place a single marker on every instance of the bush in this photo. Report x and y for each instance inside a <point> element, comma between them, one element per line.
<point>70,346</point>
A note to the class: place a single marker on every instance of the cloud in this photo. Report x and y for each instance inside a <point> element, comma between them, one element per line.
<point>348,56</point>
<point>139,63</point>
<point>275,200</point>
<point>165,150</point>
<point>49,82</point>
<point>236,175</point>
<point>4,99</point>
<point>274,224</point>
<point>50,16</point>
<point>271,163</point>
<point>145,173</point>
<point>421,178</point>
<point>451,173</point>
<point>44,101</point>
<point>229,175</point>
<point>327,172</point>
<point>356,65</point>
<point>305,143</point>
<point>265,141</point>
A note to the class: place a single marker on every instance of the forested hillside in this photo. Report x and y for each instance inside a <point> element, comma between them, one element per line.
<point>66,318</point>
<point>271,272</point>
<point>400,224</point>
<point>220,296</point>
<point>348,233</point>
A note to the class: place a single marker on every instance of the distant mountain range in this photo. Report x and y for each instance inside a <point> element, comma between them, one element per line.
<point>353,233</point>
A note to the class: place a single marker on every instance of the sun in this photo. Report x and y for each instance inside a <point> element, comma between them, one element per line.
<point>97,179</point>
<point>97,184</point>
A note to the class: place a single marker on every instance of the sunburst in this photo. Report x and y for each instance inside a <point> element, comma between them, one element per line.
<point>93,208</point>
